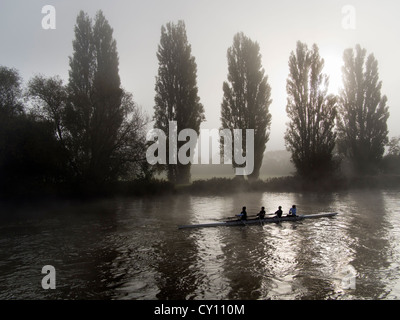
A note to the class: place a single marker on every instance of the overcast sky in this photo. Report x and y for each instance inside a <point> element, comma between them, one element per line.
<point>211,24</point>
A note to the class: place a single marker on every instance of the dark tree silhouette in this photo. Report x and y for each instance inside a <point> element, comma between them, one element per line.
<point>103,123</point>
<point>31,158</point>
<point>362,125</point>
<point>394,146</point>
<point>310,135</point>
<point>49,98</point>
<point>391,161</point>
<point>246,97</point>
<point>10,92</point>
<point>176,91</point>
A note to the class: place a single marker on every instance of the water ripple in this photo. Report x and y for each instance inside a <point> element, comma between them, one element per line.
<point>132,249</point>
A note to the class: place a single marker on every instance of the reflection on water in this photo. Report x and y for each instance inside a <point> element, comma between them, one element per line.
<point>132,249</point>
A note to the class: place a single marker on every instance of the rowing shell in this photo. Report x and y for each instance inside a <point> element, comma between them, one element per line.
<point>258,221</point>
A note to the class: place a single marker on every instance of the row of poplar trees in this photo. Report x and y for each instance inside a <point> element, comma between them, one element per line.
<point>246,96</point>
<point>352,125</point>
<point>323,128</point>
<point>90,131</point>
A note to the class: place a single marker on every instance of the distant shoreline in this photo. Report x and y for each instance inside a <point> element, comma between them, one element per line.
<point>292,184</point>
<point>213,186</point>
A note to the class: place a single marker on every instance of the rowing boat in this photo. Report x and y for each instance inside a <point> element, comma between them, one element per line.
<point>258,221</point>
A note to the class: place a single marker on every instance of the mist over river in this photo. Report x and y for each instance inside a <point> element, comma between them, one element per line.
<point>132,249</point>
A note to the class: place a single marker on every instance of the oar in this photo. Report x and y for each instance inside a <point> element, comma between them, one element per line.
<point>251,216</point>
<point>269,214</point>
<point>236,217</point>
<point>227,218</point>
<point>230,218</point>
<point>259,219</point>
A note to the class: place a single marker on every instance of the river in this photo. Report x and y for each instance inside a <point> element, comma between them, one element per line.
<point>132,248</point>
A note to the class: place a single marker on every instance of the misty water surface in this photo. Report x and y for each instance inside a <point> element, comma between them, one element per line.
<point>132,248</point>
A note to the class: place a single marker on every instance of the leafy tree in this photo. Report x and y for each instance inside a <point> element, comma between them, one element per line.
<point>310,135</point>
<point>49,97</point>
<point>31,158</point>
<point>101,119</point>
<point>391,162</point>
<point>176,96</point>
<point>363,114</point>
<point>130,144</point>
<point>10,92</point>
<point>246,97</point>
<point>394,146</point>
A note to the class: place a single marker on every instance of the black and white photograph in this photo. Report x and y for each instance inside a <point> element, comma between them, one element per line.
<point>218,152</point>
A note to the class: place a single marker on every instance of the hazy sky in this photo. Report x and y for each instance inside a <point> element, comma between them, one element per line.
<point>211,24</point>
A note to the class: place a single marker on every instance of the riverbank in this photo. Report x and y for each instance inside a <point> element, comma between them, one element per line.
<point>213,186</point>
<point>291,184</point>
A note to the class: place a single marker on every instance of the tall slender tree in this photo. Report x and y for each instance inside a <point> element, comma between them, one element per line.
<point>176,89</point>
<point>362,124</point>
<point>108,112</point>
<point>246,99</point>
<point>100,118</point>
<point>79,110</point>
<point>310,134</point>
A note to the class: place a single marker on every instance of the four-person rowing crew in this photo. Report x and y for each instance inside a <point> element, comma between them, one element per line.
<point>261,214</point>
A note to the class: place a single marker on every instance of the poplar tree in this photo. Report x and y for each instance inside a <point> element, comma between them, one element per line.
<point>176,89</point>
<point>310,135</point>
<point>101,119</point>
<point>362,124</point>
<point>246,98</point>
<point>79,110</point>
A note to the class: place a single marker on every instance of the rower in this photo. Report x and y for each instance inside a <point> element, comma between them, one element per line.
<point>279,212</point>
<point>261,214</point>
<point>243,214</point>
<point>292,211</point>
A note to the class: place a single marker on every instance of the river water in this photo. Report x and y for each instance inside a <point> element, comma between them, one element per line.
<point>132,248</point>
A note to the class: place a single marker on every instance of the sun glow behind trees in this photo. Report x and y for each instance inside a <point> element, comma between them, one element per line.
<point>333,63</point>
